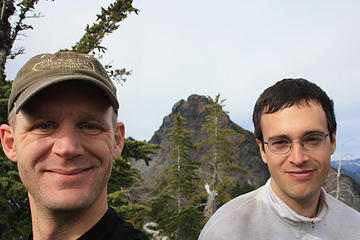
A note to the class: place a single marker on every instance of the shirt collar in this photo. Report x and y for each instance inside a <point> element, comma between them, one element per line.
<point>284,211</point>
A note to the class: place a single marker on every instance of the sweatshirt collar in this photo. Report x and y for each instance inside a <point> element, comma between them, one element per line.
<point>284,211</point>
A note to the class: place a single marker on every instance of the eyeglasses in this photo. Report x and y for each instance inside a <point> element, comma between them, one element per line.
<point>309,142</point>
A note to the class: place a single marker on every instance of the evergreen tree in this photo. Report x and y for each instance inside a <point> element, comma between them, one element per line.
<point>14,206</point>
<point>124,176</point>
<point>106,23</point>
<point>12,17</point>
<point>219,151</point>
<point>183,170</point>
<point>178,188</point>
<point>186,225</point>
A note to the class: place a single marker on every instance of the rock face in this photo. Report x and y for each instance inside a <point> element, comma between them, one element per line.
<point>349,189</point>
<point>194,111</point>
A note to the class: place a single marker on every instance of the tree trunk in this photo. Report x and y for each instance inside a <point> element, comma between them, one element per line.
<point>178,171</point>
<point>7,10</point>
<point>215,154</point>
<point>210,207</point>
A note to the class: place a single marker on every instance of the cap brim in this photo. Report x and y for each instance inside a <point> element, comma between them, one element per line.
<point>31,91</point>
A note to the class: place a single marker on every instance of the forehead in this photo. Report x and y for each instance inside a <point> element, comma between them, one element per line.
<point>294,121</point>
<point>66,96</point>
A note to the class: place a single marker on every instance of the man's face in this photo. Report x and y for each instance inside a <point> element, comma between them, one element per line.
<point>64,141</point>
<point>298,174</point>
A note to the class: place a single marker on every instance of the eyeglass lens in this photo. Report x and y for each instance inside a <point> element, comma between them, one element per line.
<point>309,142</point>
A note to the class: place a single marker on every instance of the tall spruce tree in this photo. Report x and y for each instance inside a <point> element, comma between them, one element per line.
<point>174,209</point>
<point>183,173</point>
<point>219,151</point>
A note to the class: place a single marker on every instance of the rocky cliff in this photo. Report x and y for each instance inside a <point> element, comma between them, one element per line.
<point>194,111</point>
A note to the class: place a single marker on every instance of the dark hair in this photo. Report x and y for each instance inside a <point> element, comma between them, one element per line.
<point>289,92</point>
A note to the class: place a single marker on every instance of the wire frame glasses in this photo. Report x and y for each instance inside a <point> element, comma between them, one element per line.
<point>309,142</point>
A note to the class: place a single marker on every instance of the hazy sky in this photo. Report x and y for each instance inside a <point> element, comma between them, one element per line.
<point>232,47</point>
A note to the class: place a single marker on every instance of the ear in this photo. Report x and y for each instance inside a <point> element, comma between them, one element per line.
<point>119,139</point>
<point>262,152</point>
<point>7,141</point>
<point>333,143</point>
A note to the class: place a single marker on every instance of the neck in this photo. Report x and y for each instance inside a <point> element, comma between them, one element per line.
<point>64,224</point>
<point>307,207</point>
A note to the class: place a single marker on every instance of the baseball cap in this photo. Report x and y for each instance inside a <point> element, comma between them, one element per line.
<point>44,70</point>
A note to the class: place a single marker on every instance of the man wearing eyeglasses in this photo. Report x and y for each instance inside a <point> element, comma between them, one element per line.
<point>295,128</point>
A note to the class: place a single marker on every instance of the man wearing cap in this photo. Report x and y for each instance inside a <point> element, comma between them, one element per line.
<point>295,128</point>
<point>63,135</point>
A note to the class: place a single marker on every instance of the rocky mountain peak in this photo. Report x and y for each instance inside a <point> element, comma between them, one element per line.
<point>194,111</point>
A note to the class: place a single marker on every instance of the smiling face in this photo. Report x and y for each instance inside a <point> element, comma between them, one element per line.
<point>64,141</point>
<point>297,176</point>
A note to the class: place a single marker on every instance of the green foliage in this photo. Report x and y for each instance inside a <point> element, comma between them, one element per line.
<point>107,22</point>
<point>132,212</point>
<point>12,23</point>
<point>162,209</point>
<point>134,149</point>
<point>183,179</point>
<point>186,225</point>
<point>237,189</point>
<point>124,176</point>
<point>5,88</point>
<point>173,208</point>
<point>14,206</point>
<point>220,149</point>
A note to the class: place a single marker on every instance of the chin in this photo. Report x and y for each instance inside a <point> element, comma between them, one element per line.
<point>64,201</point>
<point>68,205</point>
<point>305,194</point>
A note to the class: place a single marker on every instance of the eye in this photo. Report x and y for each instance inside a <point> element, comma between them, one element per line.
<point>279,143</point>
<point>44,128</point>
<point>91,129</point>
<point>313,139</point>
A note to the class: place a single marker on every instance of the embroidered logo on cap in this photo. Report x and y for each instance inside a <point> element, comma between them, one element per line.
<point>69,64</point>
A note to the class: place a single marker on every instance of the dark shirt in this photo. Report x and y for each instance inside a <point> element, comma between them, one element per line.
<point>111,227</point>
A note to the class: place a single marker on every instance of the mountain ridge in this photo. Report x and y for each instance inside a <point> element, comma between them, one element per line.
<point>349,167</point>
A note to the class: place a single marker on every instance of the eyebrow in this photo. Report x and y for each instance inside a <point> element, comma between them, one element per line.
<point>33,116</point>
<point>283,136</point>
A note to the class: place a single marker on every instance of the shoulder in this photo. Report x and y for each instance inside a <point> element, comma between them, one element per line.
<point>342,219</point>
<point>340,210</point>
<point>234,211</point>
<point>112,227</point>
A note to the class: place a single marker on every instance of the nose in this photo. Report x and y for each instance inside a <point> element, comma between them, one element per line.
<point>297,154</point>
<point>67,143</point>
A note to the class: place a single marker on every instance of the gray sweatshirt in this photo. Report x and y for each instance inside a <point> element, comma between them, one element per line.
<point>261,214</point>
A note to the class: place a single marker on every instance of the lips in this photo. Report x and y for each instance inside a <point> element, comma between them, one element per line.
<point>67,172</point>
<point>301,174</point>
<point>69,175</point>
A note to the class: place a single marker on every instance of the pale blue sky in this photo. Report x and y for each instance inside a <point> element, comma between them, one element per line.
<point>232,47</point>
